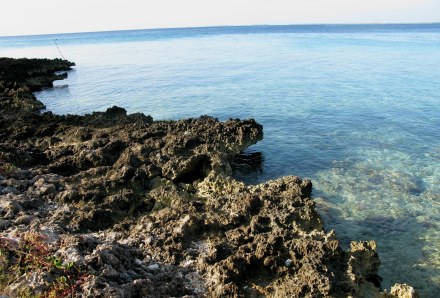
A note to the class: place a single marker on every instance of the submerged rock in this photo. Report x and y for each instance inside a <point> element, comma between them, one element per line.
<point>145,208</point>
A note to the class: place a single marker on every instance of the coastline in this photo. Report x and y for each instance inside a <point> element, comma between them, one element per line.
<point>142,207</point>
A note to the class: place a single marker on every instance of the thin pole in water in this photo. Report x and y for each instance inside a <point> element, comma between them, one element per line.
<point>59,49</point>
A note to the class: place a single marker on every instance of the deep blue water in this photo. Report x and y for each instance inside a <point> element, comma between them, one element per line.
<point>355,108</point>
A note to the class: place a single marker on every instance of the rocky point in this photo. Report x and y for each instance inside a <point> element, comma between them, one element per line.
<point>115,205</point>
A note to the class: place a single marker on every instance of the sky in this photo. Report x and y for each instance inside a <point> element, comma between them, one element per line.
<point>28,17</point>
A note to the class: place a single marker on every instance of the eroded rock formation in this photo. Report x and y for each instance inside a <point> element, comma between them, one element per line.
<point>145,208</point>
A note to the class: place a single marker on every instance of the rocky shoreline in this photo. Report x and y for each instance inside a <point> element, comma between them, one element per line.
<point>117,205</point>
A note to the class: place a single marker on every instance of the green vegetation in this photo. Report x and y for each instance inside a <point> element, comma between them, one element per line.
<point>29,254</point>
<point>7,168</point>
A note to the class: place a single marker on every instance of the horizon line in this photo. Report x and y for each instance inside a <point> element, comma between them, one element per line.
<point>222,26</point>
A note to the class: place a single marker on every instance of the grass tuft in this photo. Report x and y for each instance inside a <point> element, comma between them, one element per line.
<point>30,254</point>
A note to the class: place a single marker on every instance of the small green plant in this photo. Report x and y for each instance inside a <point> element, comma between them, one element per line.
<point>30,253</point>
<point>7,168</point>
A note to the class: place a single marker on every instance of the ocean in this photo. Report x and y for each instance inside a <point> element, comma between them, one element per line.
<point>354,108</point>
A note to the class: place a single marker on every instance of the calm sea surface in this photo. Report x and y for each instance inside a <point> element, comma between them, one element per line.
<point>354,108</point>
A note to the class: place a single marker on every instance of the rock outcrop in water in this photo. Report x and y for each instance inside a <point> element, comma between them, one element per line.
<point>124,206</point>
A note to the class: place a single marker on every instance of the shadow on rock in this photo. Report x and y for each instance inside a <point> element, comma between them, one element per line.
<point>247,166</point>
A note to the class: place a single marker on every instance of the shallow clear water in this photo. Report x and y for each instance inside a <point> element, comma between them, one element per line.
<point>354,108</point>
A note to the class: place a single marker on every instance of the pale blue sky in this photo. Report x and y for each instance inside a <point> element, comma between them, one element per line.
<point>20,17</point>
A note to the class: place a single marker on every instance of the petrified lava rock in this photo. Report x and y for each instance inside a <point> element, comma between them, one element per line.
<point>148,208</point>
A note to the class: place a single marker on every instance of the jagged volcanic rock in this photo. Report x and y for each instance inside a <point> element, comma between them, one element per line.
<point>148,208</point>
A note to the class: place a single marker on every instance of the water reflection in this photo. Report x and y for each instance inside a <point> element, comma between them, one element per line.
<point>247,166</point>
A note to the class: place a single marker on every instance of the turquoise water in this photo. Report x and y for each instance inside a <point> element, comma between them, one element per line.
<point>354,108</point>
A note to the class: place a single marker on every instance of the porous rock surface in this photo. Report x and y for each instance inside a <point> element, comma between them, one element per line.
<point>149,209</point>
